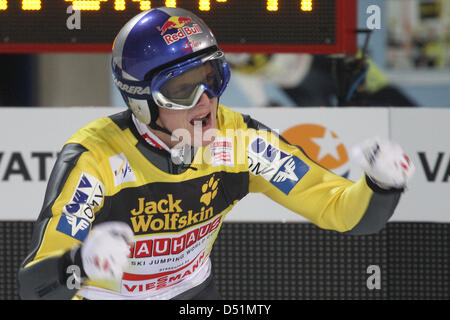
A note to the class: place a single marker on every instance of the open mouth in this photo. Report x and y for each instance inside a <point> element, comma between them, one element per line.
<point>204,120</point>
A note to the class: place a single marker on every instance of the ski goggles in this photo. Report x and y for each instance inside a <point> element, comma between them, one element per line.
<point>181,86</point>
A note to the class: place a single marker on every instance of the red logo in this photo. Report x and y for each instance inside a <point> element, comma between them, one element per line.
<point>186,27</point>
<point>166,246</point>
<point>175,23</point>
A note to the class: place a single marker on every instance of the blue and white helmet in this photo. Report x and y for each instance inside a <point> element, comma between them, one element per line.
<point>162,39</point>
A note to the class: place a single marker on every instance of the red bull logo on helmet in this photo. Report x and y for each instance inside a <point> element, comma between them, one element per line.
<point>185,25</point>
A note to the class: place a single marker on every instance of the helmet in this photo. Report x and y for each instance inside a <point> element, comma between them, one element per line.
<point>157,53</point>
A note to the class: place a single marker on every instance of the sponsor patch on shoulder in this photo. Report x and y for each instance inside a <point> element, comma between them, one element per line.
<point>289,174</point>
<point>121,169</point>
<point>88,194</point>
<point>78,214</point>
<point>282,169</point>
<point>73,226</point>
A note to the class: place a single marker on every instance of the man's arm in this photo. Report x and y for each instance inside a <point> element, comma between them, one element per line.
<point>284,173</point>
<point>60,227</point>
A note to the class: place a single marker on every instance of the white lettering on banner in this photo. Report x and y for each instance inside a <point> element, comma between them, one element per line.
<point>172,245</point>
<point>163,260</point>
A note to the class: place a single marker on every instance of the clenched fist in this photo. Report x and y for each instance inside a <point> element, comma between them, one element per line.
<point>384,162</point>
<point>105,252</point>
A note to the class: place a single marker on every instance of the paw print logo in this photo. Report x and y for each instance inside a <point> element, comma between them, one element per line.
<point>209,190</point>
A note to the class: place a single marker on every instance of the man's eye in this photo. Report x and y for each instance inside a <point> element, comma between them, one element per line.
<point>184,90</point>
<point>210,78</point>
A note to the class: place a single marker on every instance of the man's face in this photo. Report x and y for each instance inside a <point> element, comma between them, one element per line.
<point>196,126</point>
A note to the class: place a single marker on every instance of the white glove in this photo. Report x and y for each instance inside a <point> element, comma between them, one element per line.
<point>105,252</point>
<point>384,162</point>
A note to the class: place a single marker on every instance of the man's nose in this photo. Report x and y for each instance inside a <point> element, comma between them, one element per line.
<point>204,99</point>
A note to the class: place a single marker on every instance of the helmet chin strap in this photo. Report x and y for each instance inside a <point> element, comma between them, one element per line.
<point>157,127</point>
<point>154,115</point>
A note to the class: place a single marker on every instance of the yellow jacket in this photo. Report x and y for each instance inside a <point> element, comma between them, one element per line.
<point>106,171</point>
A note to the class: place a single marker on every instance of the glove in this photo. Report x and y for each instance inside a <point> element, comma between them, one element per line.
<point>104,254</point>
<point>384,162</point>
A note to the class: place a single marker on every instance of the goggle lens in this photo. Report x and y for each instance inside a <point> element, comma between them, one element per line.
<point>183,87</point>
